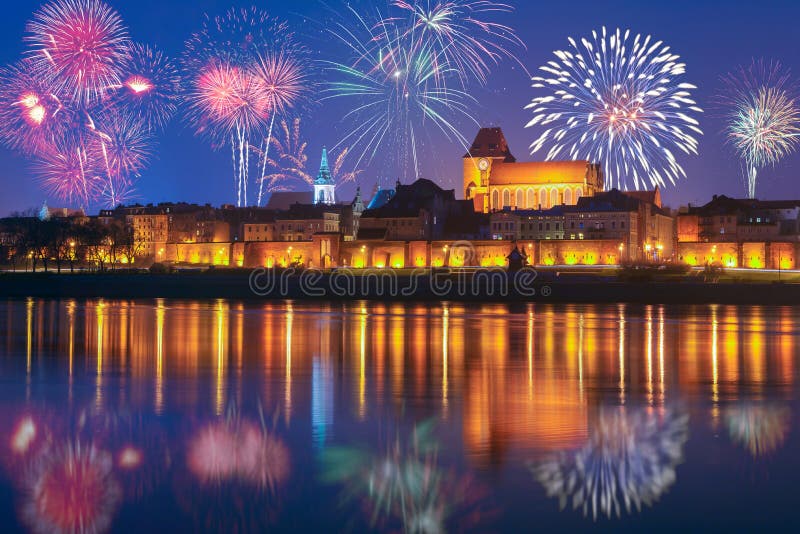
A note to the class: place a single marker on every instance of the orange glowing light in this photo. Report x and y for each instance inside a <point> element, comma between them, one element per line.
<point>130,458</point>
<point>138,85</point>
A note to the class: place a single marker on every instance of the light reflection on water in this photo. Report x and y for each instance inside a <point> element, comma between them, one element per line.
<point>224,415</point>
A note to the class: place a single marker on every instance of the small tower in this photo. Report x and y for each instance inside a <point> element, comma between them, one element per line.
<point>324,187</point>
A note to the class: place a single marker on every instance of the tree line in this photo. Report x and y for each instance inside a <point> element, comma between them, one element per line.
<point>28,241</point>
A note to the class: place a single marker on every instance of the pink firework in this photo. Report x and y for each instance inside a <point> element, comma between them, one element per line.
<point>80,46</point>
<point>31,115</point>
<point>69,175</point>
<point>283,78</point>
<point>71,490</point>
<point>227,100</point>
<point>244,452</point>
<point>150,86</point>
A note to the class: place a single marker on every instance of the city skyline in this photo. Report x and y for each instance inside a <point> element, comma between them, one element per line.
<point>183,161</point>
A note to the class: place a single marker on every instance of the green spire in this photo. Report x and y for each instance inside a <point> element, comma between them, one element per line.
<point>324,177</point>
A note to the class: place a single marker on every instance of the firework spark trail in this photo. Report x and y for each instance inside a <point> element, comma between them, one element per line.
<point>458,31</point>
<point>286,83</point>
<point>763,117</point>
<point>396,86</point>
<point>620,102</point>
<point>289,163</point>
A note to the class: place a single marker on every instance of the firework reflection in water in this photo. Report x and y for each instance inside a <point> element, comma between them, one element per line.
<point>71,489</point>
<point>405,484</point>
<point>759,428</point>
<point>628,461</point>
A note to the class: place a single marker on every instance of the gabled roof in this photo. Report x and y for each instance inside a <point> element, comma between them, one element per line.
<point>490,143</point>
<point>382,196</point>
<point>614,200</point>
<point>283,200</point>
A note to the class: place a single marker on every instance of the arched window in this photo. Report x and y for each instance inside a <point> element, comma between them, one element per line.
<point>567,196</point>
<point>531,199</point>
<point>506,198</point>
<point>554,197</point>
<point>578,194</point>
<point>495,200</point>
<point>543,198</point>
<point>520,199</point>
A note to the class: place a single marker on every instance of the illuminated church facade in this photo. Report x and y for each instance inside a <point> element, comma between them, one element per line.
<point>494,179</point>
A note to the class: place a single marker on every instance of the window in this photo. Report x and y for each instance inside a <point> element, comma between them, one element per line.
<point>567,196</point>
<point>543,198</point>
<point>531,198</point>
<point>547,226</point>
<point>554,197</point>
<point>622,225</point>
<point>506,198</point>
<point>520,199</point>
<point>578,194</point>
<point>495,200</point>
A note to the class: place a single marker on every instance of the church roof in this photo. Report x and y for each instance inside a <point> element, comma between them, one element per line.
<point>490,143</point>
<point>540,172</point>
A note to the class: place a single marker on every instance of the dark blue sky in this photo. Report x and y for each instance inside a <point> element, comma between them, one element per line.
<point>711,36</point>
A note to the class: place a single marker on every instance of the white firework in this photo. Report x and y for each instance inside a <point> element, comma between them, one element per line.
<point>621,102</point>
<point>629,460</point>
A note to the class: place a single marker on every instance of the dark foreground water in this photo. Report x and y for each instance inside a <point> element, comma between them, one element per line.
<point>144,416</point>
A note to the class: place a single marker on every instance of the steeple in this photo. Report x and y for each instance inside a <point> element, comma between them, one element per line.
<point>324,186</point>
<point>324,176</point>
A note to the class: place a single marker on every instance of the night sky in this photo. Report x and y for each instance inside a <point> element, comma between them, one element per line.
<point>712,38</point>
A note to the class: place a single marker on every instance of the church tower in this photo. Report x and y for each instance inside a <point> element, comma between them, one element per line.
<point>324,186</point>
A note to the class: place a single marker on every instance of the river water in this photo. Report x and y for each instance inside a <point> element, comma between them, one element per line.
<point>228,416</point>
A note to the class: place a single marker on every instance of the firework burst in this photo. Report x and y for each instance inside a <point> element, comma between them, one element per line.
<point>83,100</point>
<point>618,101</point>
<point>459,32</point>
<point>763,117</point>
<point>289,162</point>
<point>629,460</point>
<point>31,115</point>
<point>150,87</point>
<point>79,46</point>
<point>69,174</point>
<point>242,69</point>
<point>397,89</point>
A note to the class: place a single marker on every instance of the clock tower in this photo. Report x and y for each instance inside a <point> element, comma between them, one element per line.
<point>490,147</point>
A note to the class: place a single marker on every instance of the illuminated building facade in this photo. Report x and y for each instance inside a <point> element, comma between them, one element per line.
<point>494,179</point>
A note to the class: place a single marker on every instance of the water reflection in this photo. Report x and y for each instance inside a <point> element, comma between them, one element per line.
<point>759,428</point>
<point>140,395</point>
<point>404,486</point>
<point>628,461</point>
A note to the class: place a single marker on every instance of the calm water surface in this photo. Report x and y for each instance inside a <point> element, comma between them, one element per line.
<point>224,416</point>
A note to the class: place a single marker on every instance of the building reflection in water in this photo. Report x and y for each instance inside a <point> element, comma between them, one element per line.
<point>574,389</point>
